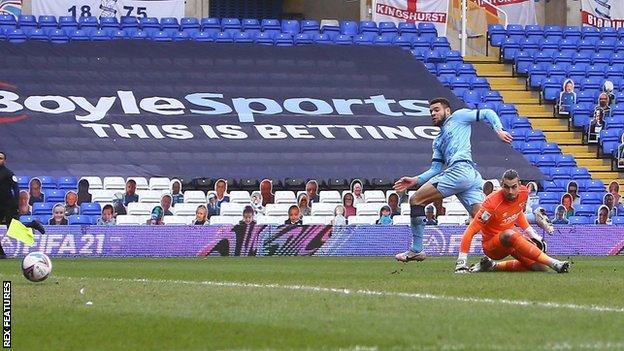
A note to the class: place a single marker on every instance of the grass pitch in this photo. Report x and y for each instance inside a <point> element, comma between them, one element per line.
<point>314,303</point>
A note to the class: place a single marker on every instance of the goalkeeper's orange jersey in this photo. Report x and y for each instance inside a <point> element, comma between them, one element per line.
<point>497,215</point>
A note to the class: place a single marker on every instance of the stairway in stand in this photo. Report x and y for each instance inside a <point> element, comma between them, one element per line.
<point>514,91</point>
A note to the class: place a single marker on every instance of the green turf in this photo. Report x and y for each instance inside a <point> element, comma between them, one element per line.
<point>133,315</point>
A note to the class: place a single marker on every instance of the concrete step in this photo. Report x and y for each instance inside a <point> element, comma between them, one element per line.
<point>507,87</point>
<point>552,128</point>
<point>506,81</point>
<point>592,163</point>
<point>534,110</point>
<point>578,150</point>
<point>514,94</point>
<point>493,67</point>
<point>481,59</point>
<point>497,74</point>
<point>546,122</point>
<point>593,169</point>
<point>607,176</point>
<point>527,102</point>
<point>564,137</point>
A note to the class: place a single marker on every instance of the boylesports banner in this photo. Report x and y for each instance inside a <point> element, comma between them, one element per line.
<point>602,13</point>
<point>141,108</point>
<point>413,11</point>
<point>518,11</point>
<point>109,8</point>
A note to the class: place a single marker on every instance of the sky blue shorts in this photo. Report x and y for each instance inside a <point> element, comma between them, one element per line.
<point>462,180</point>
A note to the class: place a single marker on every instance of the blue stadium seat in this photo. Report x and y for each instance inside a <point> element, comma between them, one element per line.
<point>535,135</point>
<point>229,25</point>
<point>343,39</point>
<point>590,32</point>
<point>161,37</point>
<point>243,37</point>
<point>404,42</point>
<point>368,27</point>
<point>322,39</point>
<point>492,96</point>
<point>565,161</point>
<point>180,36</point>
<point>42,208</point>
<point>553,33</point>
<point>471,97</point>
<point>552,186</point>
<point>16,36</point>
<point>534,32</point>
<point>496,34</point>
<point>286,39</point>
<point>349,28</point>
<point>408,29</point>
<point>67,182</point>
<point>22,181</point>
<point>551,89</point>
<point>515,31</point>
<point>548,47</point>
<point>27,219</point>
<point>579,220</point>
<point>364,39</point>
<point>226,37</point>
<point>302,39</point>
<point>551,148</point>
<point>100,35</point>
<point>26,21</point>
<point>331,30</point>
<point>419,42</point>
<point>529,46</point>
<point>188,23</point>
<point>582,58</point>
<point>90,208</point>
<point>8,21</point>
<point>518,135</point>
<point>532,149</point>
<point>47,22</point>
<point>54,195</point>
<point>591,198</point>
<point>310,27</point>
<point>617,220</point>
<point>441,44</point>
<point>202,37</point>
<point>139,35</point>
<point>546,161</point>
<point>79,220</point>
<point>479,83</point>
<point>585,210</point>
<point>109,22</point>
<point>270,26</point>
<point>580,173</point>
<point>509,48</point>
<point>549,198</point>
<point>130,22</point>
<point>572,33</point>
<point>37,34</point>
<point>550,209</point>
<point>381,40</point>
<point>427,30</point>
<point>454,56</point>
<point>68,22</point>
<point>388,29</point>
<point>560,173</point>
<point>212,24</point>
<point>58,36</point>
<point>595,185</point>
<point>291,27</point>
<point>47,182</point>
<point>88,22</point>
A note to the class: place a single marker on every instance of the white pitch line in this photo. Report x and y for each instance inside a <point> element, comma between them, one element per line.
<point>369,293</point>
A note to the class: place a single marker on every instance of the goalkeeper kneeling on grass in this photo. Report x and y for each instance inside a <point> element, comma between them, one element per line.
<point>497,220</point>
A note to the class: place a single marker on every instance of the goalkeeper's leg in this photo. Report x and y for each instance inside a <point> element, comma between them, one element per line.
<point>522,248</point>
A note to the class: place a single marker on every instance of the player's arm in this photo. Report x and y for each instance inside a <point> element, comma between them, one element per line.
<point>461,266</point>
<point>437,164</point>
<point>470,116</point>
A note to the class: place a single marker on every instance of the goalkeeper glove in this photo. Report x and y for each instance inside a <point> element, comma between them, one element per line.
<point>460,265</point>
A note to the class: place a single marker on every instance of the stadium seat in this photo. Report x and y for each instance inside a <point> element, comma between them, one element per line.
<point>94,182</point>
<point>291,27</point>
<point>141,182</point>
<point>374,196</point>
<point>368,209</point>
<point>579,220</point>
<point>54,195</point>
<point>585,210</point>
<point>114,183</point>
<point>185,209</point>
<point>149,196</point>
<point>618,220</point>
<point>316,220</point>
<point>90,209</point>
<point>159,183</point>
<point>323,209</point>
<point>140,208</point>
<point>109,22</point>
<point>79,220</point>
<point>240,197</point>
<point>302,39</point>
<point>452,220</point>
<point>42,208</point>
<point>178,220</point>
<point>285,197</point>
<point>596,185</point>
<point>232,220</point>
<point>270,220</point>
<point>565,161</point>
<point>591,198</point>
<point>310,27</point>
<point>496,34</point>
<point>130,22</point>
<point>330,196</point>
<point>401,220</point>
<point>276,209</point>
<point>131,220</point>
<point>78,35</point>
<point>195,197</point>
<point>103,196</point>
<point>362,220</point>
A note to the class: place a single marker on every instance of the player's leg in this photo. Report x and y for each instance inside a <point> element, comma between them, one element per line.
<point>473,196</point>
<point>5,219</point>
<point>494,249</point>
<point>521,247</point>
<point>425,195</point>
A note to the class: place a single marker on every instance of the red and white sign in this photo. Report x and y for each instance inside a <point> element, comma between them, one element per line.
<point>413,11</point>
<point>518,11</point>
<point>602,13</point>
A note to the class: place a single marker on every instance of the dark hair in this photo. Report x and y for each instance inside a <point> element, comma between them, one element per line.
<point>442,101</point>
<point>108,207</point>
<point>3,154</point>
<point>511,174</point>
<point>572,183</point>
<point>131,181</point>
<point>290,208</point>
<point>248,209</point>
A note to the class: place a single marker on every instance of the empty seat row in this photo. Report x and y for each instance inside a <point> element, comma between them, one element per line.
<point>498,33</point>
